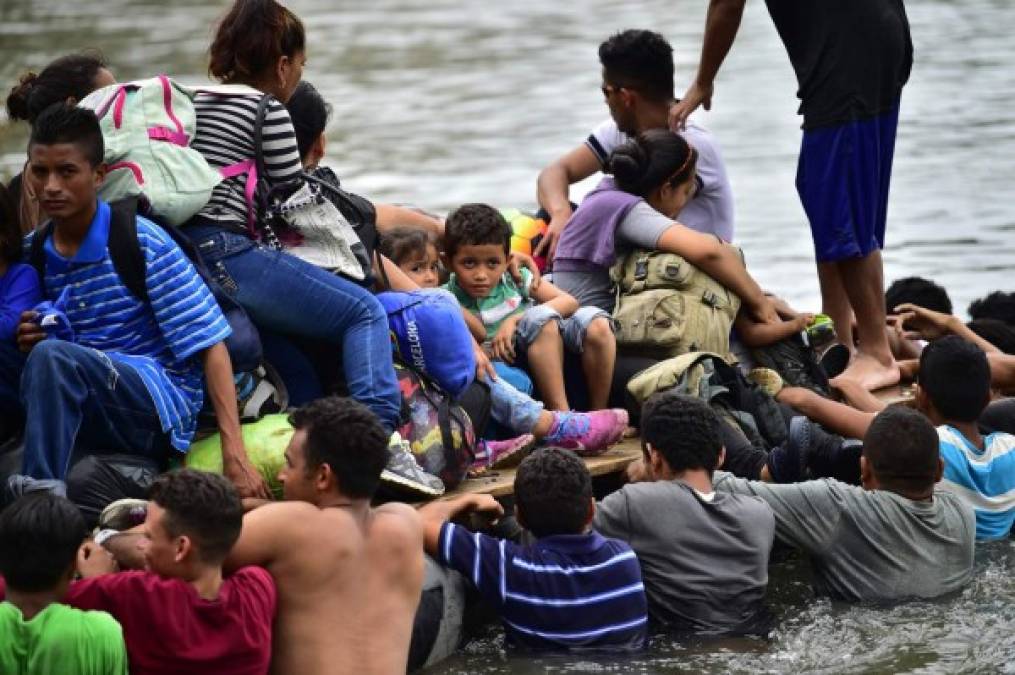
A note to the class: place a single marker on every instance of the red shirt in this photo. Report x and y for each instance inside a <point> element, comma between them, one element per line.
<point>169,629</point>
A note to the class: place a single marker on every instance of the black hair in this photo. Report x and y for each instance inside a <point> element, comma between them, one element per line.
<point>996,332</point>
<point>404,243</point>
<point>346,436</point>
<point>310,113</point>
<point>920,292</point>
<point>203,506</point>
<point>61,123</point>
<point>683,429</point>
<point>955,375</point>
<point>641,60</point>
<point>553,489</point>
<point>902,448</point>
<point>251,38</point>
<point>651,159</point>
<point>997,305</point>
<point>71,76</point>
<point>10,229</point>
<point>39,538</point>
<point>476,225</point>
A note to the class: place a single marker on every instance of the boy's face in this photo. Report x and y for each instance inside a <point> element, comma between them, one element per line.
<point>479,267</point>
<point>424,270</point>
<point>64,180</point>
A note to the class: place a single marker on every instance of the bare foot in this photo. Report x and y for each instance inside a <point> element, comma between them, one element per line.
<point>869,373</point>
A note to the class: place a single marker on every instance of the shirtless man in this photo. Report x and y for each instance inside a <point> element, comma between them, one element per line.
<point>349,576</point>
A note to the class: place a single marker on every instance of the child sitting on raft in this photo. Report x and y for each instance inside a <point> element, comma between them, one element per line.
<point>415,252</point>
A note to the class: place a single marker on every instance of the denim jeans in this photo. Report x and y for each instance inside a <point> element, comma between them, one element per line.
<point>572,329</point>
<point>286,295</point>
<point>511,409</point>
<point>78,402</point>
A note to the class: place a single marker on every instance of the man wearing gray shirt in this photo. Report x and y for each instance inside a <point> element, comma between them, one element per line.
<point>895,537</point>
<point>704,554</point>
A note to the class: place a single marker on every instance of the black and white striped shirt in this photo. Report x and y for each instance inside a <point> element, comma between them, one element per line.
<point>225,136</point>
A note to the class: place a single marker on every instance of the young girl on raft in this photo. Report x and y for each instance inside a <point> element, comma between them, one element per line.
<point>589,433</point>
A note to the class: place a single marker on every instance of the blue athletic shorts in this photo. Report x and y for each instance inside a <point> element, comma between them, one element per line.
<point>843,178</point>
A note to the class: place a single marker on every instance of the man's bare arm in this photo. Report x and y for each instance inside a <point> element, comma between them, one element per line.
<point>267,532</point>
<point>553,188</point>
<point>836,417</point>
<point>721,26</point>
<point>1002,372</point>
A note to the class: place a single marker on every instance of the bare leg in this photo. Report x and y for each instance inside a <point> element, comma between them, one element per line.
<point>599,355</point>
<point>874,366</point>
<point>546,363</point>
<point>835,302</point>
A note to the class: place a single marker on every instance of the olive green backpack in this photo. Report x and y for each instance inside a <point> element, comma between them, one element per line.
<point>667,307</point>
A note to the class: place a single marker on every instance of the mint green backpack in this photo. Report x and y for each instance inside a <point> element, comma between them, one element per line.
<point>147,127</point>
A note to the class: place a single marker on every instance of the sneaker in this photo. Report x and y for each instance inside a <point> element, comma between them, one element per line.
<point>767,380</point>
<point>123,514</point>
<point>834,360</point>
<point>821,331</point>
<point>795,362</point>
<point>588,434</point>
<point>404,474</point>
<point>812,452</point>
<point>502,454</point>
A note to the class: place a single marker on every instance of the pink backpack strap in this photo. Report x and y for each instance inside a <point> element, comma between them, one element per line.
<point>134,169</point>
<point>179,137</point>
<point>248,167</point>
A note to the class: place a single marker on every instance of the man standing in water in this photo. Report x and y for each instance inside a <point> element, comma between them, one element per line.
<point>348,576</point>
<point>851,61</point>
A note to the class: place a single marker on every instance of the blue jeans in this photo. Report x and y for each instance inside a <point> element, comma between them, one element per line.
<point>284,294</point>
<point>511,409</point>
<point>572,329</point>
<point>78,402</point>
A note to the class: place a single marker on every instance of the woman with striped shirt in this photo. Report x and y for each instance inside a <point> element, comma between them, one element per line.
<point>261,44</point>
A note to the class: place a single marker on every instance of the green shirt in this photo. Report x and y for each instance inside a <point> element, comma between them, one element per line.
<point>60,639</point>
<point>505,300</point>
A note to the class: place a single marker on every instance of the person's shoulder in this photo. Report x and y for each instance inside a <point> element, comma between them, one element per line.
<point>396,520</point>
<point>252,582</point>
<point>605,138</point>
<point>999,444</point>
<point>95,623</point>
<point>22,273</point>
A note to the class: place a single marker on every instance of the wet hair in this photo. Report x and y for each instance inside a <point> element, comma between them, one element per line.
<point>39,538</point>
<point>651,159</point>
<point>476,225</point>
<point>310,113</point>
<point>920,292</point>
<point>955,375</point>
<point>346,436</point>
<point>683,429</point>
<point>996,332</point>
<point>203,506</point>
<point>61,123</point>
<point>70,76</point>
<point>10,229</point>
<point>901,446</point>
<point>641,60</point>
<point>552,490</point>
<point>997,305</point>
<point>251,38</point>
<point>405,243</point>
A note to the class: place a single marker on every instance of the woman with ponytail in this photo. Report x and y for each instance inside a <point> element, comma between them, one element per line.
<point>653,177</point>
<point>66,80</point>
<point>261,44</point>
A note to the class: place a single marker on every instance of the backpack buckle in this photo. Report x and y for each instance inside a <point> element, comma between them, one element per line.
<point>709,298</point>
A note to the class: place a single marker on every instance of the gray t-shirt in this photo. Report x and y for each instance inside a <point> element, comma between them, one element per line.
<point>871,545</point>
<point>704,560</point>
<point>640,228</point>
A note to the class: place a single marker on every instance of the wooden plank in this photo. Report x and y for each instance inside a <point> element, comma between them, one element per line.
<point>501,483</point>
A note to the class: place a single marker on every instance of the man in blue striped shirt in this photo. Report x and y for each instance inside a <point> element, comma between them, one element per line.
<point>980,470</point>
<point>573,588</point>
<point>118,374</point>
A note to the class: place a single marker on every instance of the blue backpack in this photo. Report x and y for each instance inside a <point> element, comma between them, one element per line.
<point>429,333</point>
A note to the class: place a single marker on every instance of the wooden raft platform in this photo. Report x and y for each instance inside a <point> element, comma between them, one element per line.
<point>500,483</point>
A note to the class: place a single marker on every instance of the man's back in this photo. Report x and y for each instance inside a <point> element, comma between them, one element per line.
<point>170,629</point>
<point>347,589</point>
<point>705,561</point>
<point>870,544</point>
<point>60,639</point>
<point>984,479</point>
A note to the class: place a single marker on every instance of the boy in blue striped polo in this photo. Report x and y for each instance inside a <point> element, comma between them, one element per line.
<point>954,389</point>
<point>107,372</point>
<point>571,589</point>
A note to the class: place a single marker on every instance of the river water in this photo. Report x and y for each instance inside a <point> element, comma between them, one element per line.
<point>437,103</point>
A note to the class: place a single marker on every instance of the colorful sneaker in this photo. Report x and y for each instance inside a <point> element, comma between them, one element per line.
<point>821,331</point>
<point>123,514</point>
<point>404,474</point>
<point>588,434</point>
<point>501,454</point>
